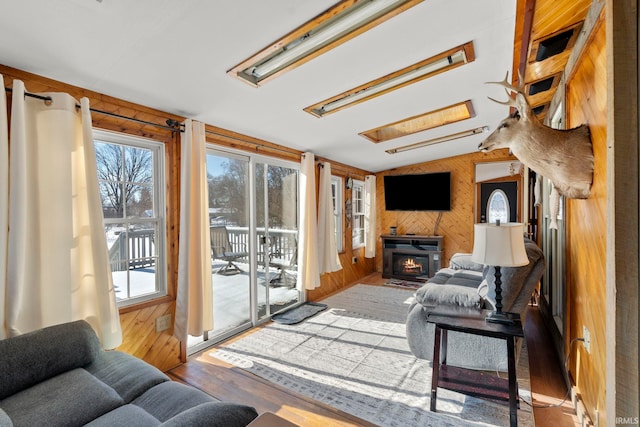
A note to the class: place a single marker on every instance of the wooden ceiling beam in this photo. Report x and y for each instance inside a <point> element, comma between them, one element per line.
<point>527,26</point>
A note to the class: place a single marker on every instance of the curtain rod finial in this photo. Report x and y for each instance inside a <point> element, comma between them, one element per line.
<point>172,123</point>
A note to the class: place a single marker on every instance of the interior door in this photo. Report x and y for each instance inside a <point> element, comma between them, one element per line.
<point>499,200</point>
<point>276,189</point>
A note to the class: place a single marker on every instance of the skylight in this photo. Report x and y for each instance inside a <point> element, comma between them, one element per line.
<point>443,116</point>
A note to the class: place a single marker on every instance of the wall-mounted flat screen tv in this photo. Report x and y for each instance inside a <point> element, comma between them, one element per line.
<point>422,192</point>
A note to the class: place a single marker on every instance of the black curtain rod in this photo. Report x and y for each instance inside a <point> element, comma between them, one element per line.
<point>171,125</point>
<point>257,144</point>
<point>336,168</point>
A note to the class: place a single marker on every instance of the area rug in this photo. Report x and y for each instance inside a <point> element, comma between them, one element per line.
<point>404,284</point>
<point>300,313</point>
<point>355,357</point>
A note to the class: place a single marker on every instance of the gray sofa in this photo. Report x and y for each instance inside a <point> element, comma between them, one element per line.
<point>60,376</point>
<point>466,284</point>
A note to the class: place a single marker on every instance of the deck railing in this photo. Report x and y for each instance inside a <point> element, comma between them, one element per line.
<point>279,244</point>
<point>141,250</point>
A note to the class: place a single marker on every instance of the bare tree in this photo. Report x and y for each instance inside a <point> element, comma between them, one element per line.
<point>228,191</point>
<point>126,175</point>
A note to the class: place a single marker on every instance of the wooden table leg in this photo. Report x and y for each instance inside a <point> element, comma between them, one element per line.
<point>513,405</point>
<point>436,368</point>
<point>444,342</point>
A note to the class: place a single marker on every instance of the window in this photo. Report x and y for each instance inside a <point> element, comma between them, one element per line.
<point>336,198</point>
<point>498,207</point>
<point>131,180</point>
<point>358,214</point>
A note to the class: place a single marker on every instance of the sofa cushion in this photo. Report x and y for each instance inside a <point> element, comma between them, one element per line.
<point>449,286</point>
<point>462,261</point>
<point>432,294</point>
<point>126,415</point>
<point>449,276</point>
<point>182,397</point>
<point>72,398</point>
<point>126,374</point>
<point>36,356</point>
<point>214,414</point>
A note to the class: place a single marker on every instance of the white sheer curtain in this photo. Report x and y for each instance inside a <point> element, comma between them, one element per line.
<point>370,216</point>
<point>308,273</point>
<point>194,302</point>
<point>57,265</point>
<point>328,258</point>
<point>4,206</point>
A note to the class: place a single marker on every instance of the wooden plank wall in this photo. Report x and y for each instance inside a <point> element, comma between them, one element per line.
<point>350,273</point>
<point>138,323</point>
<point>586,98</point>
<point>456,225</point>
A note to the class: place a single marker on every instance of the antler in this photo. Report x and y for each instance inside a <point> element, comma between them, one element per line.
<point>509,87</point>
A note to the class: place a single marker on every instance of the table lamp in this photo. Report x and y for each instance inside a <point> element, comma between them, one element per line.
<point>499,245</point>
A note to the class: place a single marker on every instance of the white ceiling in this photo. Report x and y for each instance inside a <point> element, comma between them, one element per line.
<point>173,55</point>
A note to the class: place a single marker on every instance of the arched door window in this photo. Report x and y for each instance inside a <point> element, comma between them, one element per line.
<point>498,207</point>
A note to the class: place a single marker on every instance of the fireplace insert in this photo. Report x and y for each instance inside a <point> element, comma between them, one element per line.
<point>416,266</point>
<point>411,257</point>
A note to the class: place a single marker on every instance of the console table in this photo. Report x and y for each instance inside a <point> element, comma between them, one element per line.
<point>467,381</point>
<point>426,251</point>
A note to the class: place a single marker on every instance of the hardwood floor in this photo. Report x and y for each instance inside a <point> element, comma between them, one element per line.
<point>234,384</point>
<point>547,383</point>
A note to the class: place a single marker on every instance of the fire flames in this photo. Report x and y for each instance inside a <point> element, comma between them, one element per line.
<point>411,265</point>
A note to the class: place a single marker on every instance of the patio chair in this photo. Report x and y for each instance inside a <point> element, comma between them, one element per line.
<point>221,249</point>
<point>284,263</point>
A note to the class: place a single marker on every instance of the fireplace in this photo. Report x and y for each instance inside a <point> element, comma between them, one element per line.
<point>411,257</point>
<point>411,265</point>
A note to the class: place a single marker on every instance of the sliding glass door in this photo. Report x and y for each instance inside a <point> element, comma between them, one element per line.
<point>253,218</point>
<point>231,256</point>
<point>276,188</point>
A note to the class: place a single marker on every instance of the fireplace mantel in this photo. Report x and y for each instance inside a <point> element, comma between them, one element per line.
<point>423,253</point>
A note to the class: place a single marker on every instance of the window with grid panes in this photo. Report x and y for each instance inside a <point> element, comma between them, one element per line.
<point>131,183</point>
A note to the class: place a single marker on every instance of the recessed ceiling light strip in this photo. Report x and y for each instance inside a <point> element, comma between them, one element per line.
<point>343,21</point>
<point>323,35</point>
<point>372,90</point>
<point>439,140</point>
<point>442,62</point>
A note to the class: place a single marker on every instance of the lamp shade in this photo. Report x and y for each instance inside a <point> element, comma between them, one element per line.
<point>499,245</point>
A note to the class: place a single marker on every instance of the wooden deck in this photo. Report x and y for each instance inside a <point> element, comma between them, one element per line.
<point>229,383</point>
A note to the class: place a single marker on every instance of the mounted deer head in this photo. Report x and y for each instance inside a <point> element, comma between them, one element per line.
<point>563,156</point>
